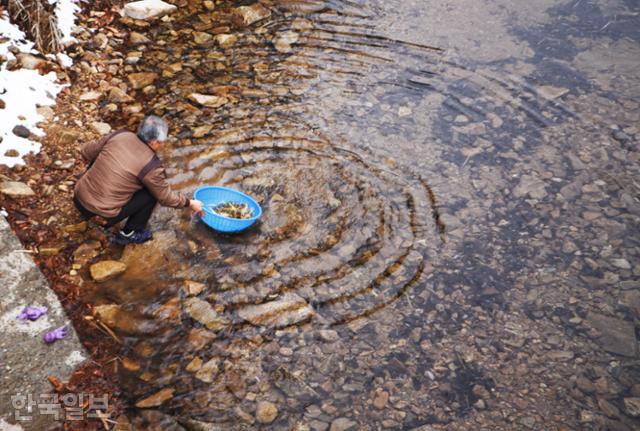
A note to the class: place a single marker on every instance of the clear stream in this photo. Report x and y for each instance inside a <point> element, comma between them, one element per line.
<point>420,164</point>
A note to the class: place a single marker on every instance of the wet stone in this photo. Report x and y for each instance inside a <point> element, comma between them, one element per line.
<point>204,313</point>
<point>286,310</point>
<point>617,335</point>
<point>208,371</point>
<point>621,263</point>
<point>608,409</point>
<point>156,399</point>
<point>632,406</point>
<point>193,288</point>
<point>530,186</point>
<point>266,412</point>
<point>106,270</point>
<point>194,365</point>
<point>631,299</point>
<point>343,424</point>
<point>381,400</point>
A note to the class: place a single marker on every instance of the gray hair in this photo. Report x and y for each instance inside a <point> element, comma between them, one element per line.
<point>153,128</point>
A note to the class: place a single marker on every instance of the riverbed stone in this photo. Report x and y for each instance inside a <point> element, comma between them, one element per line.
<point>193,288</point>
<point>15,189</point>
<point>141,79</point>
<point>147,9</point>
<point>286,310</point>
<point>156,399</point>
<point>106,270</point>
<point>108,313</point>
<point>209,100</point>
<point>343,424</point>
<point>266,412</point>
<point>204,313</point>
<point>632,406</point>
<point>284,41</point>
<point>226,40</point>
<point>531,186</point>
<point>201,37</point>
<point>118,95</point>
<point>138,38</point>
<point>208,370</point>
<point>617,335</point>
<point>244,16</point>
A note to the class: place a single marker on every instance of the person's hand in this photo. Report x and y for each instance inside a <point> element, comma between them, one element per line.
<point>196,207</point>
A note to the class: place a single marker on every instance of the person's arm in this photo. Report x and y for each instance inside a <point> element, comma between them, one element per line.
<point>156,182</point>
<point>91,150</point>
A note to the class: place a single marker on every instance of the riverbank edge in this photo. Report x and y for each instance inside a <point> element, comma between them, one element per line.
<point>27,361</point>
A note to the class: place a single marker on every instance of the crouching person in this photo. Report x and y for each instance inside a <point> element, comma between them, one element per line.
<point>126,179</point>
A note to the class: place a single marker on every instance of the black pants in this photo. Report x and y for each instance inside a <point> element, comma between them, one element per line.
<point>137,211</point>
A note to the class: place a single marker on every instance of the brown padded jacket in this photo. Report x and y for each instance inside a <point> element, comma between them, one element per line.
<point>120,165</point>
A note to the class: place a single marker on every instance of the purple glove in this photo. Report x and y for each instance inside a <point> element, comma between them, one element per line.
<point>55,335</point>
<point>32,313</point>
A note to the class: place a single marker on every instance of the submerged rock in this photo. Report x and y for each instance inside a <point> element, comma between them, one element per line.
<point>632,406</point>
<point>285,40</point>
<point>193,288</point>
<point>204,313</point>
<point>287,310</point>
<point>617,336</point>
<point>156,399</point>
<point>343,424</point>
<point>266,412</point>
<point>107,313</point>
<point>106,270</point>
<point>208,371</point>
<point>147,9</point>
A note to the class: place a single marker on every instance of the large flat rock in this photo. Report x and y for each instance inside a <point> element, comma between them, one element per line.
<point>616,335</point>
<point>287,310</point>
<point>25,359</point>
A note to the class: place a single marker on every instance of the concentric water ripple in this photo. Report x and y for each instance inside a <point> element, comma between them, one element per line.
<point>330,131</point>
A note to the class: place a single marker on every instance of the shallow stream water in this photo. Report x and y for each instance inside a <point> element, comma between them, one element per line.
<point>423,166</point>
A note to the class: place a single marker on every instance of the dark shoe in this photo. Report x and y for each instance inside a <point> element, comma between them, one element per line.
<point>135,237</point>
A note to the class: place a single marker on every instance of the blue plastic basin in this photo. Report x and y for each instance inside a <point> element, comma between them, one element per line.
<point>212,196</point>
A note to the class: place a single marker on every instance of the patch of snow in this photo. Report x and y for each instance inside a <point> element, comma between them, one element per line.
<point>22,91</point>
<point>3,212</point>
<point>66,15</point>
<point>74,358</point>
<point>64,60</point>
